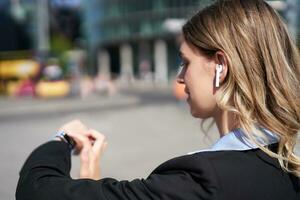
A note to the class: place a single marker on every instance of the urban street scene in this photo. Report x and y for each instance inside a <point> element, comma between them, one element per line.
<point>115,66</point>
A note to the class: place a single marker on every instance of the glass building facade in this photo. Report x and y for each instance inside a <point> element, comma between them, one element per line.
<point>135,19</point>
<point>140,39</point>
<point>129,38</point>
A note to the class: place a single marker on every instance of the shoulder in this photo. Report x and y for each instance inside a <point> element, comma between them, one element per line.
<point>205,159</point>
<point>191,163</point>
<point>231,171</point>
<point>223,163</point>
<point>236,158</point>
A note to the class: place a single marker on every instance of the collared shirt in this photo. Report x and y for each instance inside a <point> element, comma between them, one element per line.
<point>237,140</point>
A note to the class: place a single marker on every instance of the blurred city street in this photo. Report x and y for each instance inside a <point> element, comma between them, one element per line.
<point>144,127</point>
<point>111,64</point>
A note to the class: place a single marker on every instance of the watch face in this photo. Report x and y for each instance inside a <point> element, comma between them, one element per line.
<point>71,142</point>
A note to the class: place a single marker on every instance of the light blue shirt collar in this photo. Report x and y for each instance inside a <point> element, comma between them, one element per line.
<point>236,140</point>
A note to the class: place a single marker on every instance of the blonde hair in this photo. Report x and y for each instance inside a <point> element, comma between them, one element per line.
<point>263,80</point>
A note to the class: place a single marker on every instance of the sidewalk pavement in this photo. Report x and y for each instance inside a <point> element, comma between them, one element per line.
<point>21,107</point>
<point>15,107</point>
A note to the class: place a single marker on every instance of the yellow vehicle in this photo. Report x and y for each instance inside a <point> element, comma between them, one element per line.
<point>20,69</point>
<point>51,89</point>
<point>14,71</point>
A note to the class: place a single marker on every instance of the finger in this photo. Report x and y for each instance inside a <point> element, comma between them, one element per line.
<point>84,163</point>
<point>94,168</point>
<point>98,151</point>
<point>99,141</point>
<point>81,140</point>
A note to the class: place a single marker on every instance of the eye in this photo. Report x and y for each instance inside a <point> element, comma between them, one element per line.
<point>184,63</point>
<point>182,67</point>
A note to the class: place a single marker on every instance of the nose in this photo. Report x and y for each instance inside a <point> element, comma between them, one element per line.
<point>180,75</point>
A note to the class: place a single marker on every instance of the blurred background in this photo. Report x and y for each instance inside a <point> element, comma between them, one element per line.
<point>110,63</point>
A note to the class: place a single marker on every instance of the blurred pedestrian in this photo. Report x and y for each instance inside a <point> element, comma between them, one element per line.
<point>240,67</point>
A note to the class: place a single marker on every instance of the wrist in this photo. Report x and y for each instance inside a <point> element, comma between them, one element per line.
<point>57,139</point>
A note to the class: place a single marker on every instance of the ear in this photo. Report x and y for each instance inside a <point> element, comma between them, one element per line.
<point>221,59</point>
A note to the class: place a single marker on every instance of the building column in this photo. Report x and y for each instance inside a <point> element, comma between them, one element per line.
<point>292,15</point>
<point>104,64</point>
<point>126,62</point>
<point>42,26</point>
<point>161,61</point>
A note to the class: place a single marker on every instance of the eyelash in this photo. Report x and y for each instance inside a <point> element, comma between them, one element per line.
<point>183,63</point>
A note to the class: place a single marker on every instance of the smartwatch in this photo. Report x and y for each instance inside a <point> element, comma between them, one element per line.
<point>67,139</point>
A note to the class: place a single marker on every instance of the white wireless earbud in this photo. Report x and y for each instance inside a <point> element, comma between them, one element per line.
<point>219,69</point>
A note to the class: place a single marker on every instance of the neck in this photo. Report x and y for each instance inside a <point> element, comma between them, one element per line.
<point>225,121</point>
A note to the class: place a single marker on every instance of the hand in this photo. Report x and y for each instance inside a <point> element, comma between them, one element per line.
<point>92,144</point>
<point>91,154</point>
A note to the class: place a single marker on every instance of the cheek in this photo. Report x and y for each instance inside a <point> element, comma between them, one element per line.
<point>203,106</point>
<point>203,101</point>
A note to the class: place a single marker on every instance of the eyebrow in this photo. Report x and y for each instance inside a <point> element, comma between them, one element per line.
<point>181,54</point>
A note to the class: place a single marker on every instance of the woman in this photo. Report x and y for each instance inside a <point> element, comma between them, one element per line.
<point>240,67</point>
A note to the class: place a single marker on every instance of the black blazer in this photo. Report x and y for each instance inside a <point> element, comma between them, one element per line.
<point>220,175</point>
